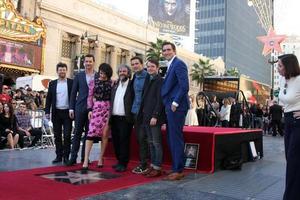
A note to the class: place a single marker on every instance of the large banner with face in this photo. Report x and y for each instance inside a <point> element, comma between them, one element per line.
<point>170,16</point>
<point>20,54</point>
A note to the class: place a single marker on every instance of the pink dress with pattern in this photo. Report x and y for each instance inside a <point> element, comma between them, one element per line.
<point>99,103</point>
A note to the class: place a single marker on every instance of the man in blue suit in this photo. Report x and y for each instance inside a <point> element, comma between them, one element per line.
<point>174,93</point>
<point>78,106</point>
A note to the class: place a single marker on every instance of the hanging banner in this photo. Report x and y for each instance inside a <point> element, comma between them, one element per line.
<point>170,16</point>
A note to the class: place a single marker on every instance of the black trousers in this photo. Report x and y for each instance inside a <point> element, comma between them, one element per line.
<point>292,153</point>
<point>37,133</point>
<point>276,124</point>
<point>121,132</point>
<point>225,123</point>
<point>81,125</point>
<point>62,124</point>
<point>200,116</point>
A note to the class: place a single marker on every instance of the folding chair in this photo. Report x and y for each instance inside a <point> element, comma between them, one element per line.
<point>39,121</point>
<point>48,134</point>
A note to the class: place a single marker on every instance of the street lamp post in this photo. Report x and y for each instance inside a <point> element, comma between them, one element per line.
<point>272,61</point>
<point>87,37</point>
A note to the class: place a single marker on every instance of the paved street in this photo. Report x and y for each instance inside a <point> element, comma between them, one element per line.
<point>260,180</point>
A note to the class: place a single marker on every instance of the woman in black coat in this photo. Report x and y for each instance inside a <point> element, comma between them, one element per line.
<point>8,125</point>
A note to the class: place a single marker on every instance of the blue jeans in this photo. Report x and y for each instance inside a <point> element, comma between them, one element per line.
<point>155,144</point>
<point>292,153</point>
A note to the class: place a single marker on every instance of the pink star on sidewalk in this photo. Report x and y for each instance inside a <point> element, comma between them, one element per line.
<point>271,41</point>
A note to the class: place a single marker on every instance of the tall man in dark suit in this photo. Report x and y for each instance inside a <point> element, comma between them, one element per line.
<point>121,120</point>
<point>78,106</point>
<point>58,99</point>
<point>174,93</point>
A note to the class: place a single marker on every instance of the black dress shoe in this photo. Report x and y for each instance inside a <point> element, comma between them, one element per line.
<point>71,162</point>
<point>66,160</point>
<point>120,168</point>
<point>115,166</point>
<point>56,160</point>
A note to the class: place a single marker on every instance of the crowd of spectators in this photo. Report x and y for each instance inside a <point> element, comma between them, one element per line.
<point>16,109</point>
<point>229,113</point>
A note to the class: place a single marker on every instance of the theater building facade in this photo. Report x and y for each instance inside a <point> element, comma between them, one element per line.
<point>78,27</point>
<point>22,43</point>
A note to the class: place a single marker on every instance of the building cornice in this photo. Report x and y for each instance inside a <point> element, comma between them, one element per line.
<point>62,12</point>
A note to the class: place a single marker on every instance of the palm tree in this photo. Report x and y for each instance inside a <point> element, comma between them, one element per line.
<point>200,70</point>
<point>155,50</point>
<point>233,72</point>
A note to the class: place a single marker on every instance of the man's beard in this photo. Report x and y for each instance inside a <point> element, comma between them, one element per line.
<point>123,79</point>
<point>62,76</point>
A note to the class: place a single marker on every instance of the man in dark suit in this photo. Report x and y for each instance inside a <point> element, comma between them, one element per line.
<point>235,113</point>
<point>174,93</point>
<point>121,120</point>
<point>58,99</point>
<point>78,106</point>
<point>276,116</point>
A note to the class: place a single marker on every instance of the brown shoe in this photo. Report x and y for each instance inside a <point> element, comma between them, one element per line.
<point>174,176</point>
<point>145,173</point>
<point>154,173</point>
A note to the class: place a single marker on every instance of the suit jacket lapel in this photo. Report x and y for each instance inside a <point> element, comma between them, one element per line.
<point>84,78</point>
<point>54,92</point>
<point>69,87</point>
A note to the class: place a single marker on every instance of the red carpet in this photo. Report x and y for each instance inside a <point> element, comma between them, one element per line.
<point>27,184</point>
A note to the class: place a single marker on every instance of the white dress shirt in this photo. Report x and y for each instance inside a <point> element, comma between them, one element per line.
<point>89,78</point>
<point>62,97</point>
<point>118,104</point>
<point>169,63</point>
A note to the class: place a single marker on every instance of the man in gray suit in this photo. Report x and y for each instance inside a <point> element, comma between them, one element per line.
<point>78,106</point>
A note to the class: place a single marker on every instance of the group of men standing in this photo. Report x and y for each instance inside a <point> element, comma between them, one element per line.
<point>146,102</point>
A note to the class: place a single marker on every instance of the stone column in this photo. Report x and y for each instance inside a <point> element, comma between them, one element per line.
<point>114,59</point>
<point>102,47</point>
<point>129,55</point>
<point>97,55</point>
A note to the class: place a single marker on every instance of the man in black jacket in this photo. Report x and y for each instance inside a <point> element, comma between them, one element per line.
<point>152,116</point>
<point>276,116</point>
<point>121,120</point>
<point>58,99</point>
<point>235,113</point>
